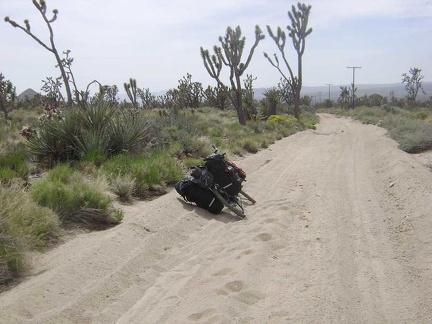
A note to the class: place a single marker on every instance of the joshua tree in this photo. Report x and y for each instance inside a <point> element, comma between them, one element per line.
<point>413,83</point>
<point>217,96</point>
<point>147,98</point>
<point>52,89</point>
<point>230,54</point>
<point>272,99</point>
<point>188,93</point>
<point>286,91</point>
<point>298,32</point>
<point>344,97</point>
<point>42,8</point>
<point>131,90</point>
<point>7,96</point>
<point>248,98</point>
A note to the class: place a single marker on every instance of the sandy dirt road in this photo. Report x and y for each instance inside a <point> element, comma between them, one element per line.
<point>341,233</point>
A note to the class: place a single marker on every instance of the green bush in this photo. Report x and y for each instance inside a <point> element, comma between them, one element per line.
<point>409,128</point>
<point>413,135</point>
<point>13,165</point>
<point>251,145</point>
<point>68,192</point>
<point>308,120</point>
<point>156,169</point>
<point>23,226</point>
<point>123,187</point>
<point>6,175</point>
<point>91,134</point>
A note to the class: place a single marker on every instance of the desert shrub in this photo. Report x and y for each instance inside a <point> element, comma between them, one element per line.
<point>92,134</point>
<point>55,141</point>
<point>23,226</point>
<point>6,175</point>
<point>308,120</point>
<point>420,114</point>
<point>128,133</point>
<point>368,115</point>
<point>14,164</point>
<point>71,195</point>
<point>285,120</point>
<point>413,135</point>
<point>251,145</point>
<point>3,131</point>
<point>179,132</point>
<point>176,121</point>
<point>267,140</point>
<point>215,131</point>
<point>149,172</point>
<point>123,187</point>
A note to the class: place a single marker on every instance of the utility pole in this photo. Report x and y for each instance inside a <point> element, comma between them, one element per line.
<point>353,68</point>
<point>329,84</point>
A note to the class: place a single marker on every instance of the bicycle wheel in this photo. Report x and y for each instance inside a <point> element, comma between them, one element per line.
<point>236,210</point>
<point>253,201</point>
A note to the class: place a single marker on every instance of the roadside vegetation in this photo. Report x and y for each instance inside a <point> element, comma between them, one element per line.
<point>411,129</point>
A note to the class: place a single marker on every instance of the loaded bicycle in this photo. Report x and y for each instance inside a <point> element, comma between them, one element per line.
<point>215,185</point>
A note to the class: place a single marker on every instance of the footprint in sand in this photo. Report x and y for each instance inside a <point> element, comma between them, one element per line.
<point>245,252</point>
<point>223,272</point>
<point>244,295</point>
<point>231,287</point>
<point>263,237</point>
<point>251,297</point>
<point>201,315</point>
<point>235,286</point>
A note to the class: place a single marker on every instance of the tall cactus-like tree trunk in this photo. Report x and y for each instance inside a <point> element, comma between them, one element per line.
<point>230,54</point>
<point>298,31</point>
<point>42,8</point>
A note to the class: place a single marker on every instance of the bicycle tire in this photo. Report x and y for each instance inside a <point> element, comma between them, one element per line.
<point>239,212</point>
<point>253,201</point>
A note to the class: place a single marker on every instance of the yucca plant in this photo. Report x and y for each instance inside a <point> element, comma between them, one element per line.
<point>127,133</point>
<point>55,141</point>
<point>93,133</point>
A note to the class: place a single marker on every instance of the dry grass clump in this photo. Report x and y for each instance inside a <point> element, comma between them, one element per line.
<point>24,226</point>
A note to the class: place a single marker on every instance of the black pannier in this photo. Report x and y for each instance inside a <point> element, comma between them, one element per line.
<point>226,174</point>
<point>202,197</point>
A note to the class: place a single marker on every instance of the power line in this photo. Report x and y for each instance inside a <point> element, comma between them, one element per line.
<point>353,68</point>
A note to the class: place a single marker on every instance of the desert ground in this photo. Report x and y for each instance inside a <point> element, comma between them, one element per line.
<point>341,233</point>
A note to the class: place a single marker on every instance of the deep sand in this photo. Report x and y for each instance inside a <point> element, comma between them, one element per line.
<point>341,233</point>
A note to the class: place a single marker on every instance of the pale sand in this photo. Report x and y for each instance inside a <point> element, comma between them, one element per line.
<point>341,233</point>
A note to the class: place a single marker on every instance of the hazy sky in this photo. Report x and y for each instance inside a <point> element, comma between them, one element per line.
<point>158,42</point>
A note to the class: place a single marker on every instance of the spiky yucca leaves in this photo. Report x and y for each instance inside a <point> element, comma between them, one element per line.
<point>93,133</point>
<point>55,140</point>
<point>128,133</point>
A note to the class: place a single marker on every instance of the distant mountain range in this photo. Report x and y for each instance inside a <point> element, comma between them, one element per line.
<point>319,93</point>
<point>362,89</point>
